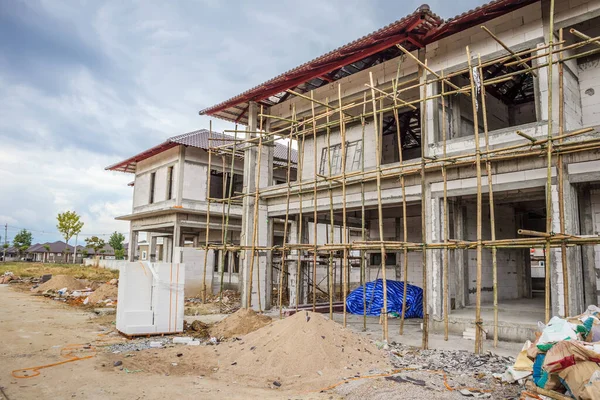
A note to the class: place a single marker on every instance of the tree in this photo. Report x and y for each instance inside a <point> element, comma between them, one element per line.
<point>116,242</point>
<point>22,241</point>
<point>69,225</point>
<point>95,243</point>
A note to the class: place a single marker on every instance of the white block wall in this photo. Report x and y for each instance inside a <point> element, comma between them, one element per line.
<point>507,259</point>
<point>595,199</point>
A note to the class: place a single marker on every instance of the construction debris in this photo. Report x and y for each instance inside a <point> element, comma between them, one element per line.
<point>564,362</point>
<point>59,282</point>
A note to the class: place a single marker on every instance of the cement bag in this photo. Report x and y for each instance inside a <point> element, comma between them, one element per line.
<point>567,353</point>
<point>577,379</point>
<point>557,329</point>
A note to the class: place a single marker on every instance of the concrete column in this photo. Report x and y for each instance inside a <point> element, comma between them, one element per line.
<point>292,266</point>
<point>576,303</point>
<point>435,264</point>
<point>133,239</point>
<point>588,253</point>
<point>152,249</point>
<point>180,173</point>
<point>261,258</point>
<point>176,238</point>
<point>460,268</point>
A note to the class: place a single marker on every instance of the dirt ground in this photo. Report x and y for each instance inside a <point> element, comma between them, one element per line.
<point>35,329</point>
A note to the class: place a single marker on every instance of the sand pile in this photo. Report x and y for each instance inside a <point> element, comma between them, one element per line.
<point>305,351</point>
<point>104,292</point>
<point>239,323</point>
<point>61,281</point>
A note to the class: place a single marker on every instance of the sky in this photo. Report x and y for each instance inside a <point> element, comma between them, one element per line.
<point>85,84</point>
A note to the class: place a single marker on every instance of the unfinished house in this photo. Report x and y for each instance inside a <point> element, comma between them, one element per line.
<point>179,191</point>
<point>459,155</point>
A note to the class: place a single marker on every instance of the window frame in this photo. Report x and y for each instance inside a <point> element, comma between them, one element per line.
<point>336,162</point>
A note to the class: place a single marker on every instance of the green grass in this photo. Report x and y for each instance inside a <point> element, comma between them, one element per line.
<point>30,269</point>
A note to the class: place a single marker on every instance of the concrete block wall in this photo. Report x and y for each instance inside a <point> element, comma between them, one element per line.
<point>507,259</point>
<point>595,200</point>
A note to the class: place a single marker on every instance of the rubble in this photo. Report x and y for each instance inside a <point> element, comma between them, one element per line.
<point>457,361</point>
<point>239,323</point>
<point>138,345</point>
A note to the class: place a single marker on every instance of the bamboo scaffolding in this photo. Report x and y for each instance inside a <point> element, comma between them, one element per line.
<point>287,217</point>
<point>331,275</point>
<point>314,289</point>
<point>488,167</point>
<point>207,237</point>
<point>446,291</point>
<point>300,127</point>
<point>362,218</point>
<point>560,168</point>
<point>344,237</point>
<point>549,162</point>
<point>478,320</point>
<point>380,210</point>
<point>423,73</point>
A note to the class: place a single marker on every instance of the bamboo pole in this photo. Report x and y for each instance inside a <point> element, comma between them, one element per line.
<point>301,222</point>
<point>497,39</point>
<point>362,218</point>
<point>287,217</point>
<point>478,321</point>
<point>331,229</point>
<point>446,294</point>
<point>315,232</point>
<point>255,225</point>
<point>225,227</point>
<point>549,162</point>
<point>344,236</point>
<point>380,208</point>
<point>488,166</point>
<point>206,239</point>
<point>425,340</point>
<point>560,167</point>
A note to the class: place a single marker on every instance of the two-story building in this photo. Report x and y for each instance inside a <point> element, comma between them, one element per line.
<point>425,129</point>
<point>171,196</point>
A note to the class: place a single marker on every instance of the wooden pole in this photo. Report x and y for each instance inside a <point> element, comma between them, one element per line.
<point>380,208</point>
<point>315,231</point>
<point>344,237</point>
<point>301,222</point>
<point>560,168</point>
<point>488,166</point>
<point>331,229</point>
<point>478,321</point>
<point>287,216</point>
<point>425,339</point>
<point>362,216</point>
<point>206,239</point>
<point>446,294</point>
<point>549,161</point>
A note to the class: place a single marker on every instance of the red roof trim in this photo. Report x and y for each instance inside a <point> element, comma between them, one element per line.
<point>124,165</point>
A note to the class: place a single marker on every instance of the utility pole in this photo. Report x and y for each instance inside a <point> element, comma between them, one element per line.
<point>5,237</point>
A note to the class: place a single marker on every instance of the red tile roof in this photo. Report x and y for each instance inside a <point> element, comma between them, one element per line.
<point>416,29</point>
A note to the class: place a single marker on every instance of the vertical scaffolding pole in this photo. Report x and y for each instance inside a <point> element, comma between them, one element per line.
<point>331,230</point>
<point>315,231</point>
<point>255,221</point>
<point>287,214</point>
<point>300,223</point>
<point>423,76</point>
<point>549,160</point>
<point>478,322</point>
<point>446,294</point>
<point>362,214</point>
<point>379,207</point>
<point>208,198</point>
<point>225,228</point>
<point>488,166</point>
<point>344,237</point>
<point>560,167</point>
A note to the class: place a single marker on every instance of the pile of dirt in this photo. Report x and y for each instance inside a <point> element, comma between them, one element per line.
<point>305,351</point>
<point>239,323</point>
<point>61,281</point>
<point>104,292</point>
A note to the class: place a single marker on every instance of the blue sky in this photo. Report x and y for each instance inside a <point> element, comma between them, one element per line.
<point>84,84</point>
